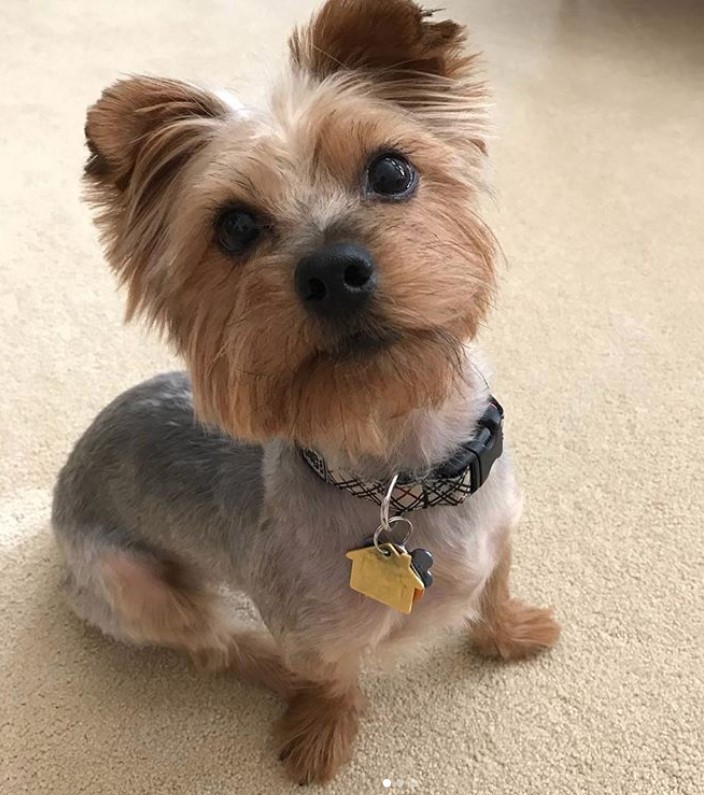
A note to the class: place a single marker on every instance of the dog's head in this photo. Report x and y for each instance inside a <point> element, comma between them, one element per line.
<point>319,264</point>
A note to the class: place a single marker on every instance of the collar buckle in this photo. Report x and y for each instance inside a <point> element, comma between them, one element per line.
<point>486,446</point>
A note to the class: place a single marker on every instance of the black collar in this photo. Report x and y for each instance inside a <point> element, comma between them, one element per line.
<point>447,484</point>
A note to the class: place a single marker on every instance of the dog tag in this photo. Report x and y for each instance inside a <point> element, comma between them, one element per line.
<point>386,575</point>
<point>422,560</point>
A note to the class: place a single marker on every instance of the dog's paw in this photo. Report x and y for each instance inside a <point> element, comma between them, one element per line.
<point>518,631</point>
<point>316,736</point>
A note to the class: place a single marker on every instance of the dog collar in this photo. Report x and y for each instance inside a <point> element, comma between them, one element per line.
<point>450,483</point>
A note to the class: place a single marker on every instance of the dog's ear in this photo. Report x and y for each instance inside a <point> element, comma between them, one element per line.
<point>141,134</point>
<point>139,118</point>
<point>402,53</point>
<point>379,35</point>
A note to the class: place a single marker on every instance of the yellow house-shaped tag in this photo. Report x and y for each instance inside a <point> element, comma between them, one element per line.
<point>387,576</point>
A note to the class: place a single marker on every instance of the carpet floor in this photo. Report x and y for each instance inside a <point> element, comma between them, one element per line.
<point>597,345</point>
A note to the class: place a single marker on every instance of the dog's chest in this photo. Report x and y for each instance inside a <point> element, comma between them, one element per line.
<point>464,545</point>
<point>313,526</point>
<point>465,542</point>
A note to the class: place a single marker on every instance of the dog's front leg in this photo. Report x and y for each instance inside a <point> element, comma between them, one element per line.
<point>508,628</point>
<point>317,731</point>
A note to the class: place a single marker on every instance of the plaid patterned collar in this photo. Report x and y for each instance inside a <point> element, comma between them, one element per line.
<point>448,484</point>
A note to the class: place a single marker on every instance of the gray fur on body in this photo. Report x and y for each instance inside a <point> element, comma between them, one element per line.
<point>147,476</point>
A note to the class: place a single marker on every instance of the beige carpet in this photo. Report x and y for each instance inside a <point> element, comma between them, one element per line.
<point>597,341</point>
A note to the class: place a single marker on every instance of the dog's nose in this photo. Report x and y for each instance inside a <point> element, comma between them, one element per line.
<point>338,279</point>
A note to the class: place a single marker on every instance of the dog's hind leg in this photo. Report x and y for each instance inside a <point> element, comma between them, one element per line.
<point>508,628</point>
<point>145,598</point>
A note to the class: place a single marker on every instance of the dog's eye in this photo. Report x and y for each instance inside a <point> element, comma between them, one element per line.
<point>391,176</point>
<point>237,230</point>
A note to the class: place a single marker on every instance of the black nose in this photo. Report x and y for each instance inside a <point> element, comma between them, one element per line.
<point>335,280</point>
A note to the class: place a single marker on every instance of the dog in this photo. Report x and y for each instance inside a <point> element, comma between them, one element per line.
<point>333,450</point>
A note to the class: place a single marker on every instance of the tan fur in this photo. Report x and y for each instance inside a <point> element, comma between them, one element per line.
<point>387,34</point>
<point>317,730</point>
<point>405,57</point>
<point>140,133</point>
<point>508,628</point>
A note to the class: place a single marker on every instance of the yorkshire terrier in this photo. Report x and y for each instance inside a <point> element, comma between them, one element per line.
<point>322,268</point>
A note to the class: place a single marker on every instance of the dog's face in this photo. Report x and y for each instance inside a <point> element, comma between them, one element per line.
<point>320,264</point>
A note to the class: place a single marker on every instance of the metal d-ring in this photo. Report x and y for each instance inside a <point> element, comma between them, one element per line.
<point>387,522</point>
<point>400,544</point>
<point>386,503</point>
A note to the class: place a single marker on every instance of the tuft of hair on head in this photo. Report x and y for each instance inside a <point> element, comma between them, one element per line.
<point>140,134</point>
<point>404,56</point>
